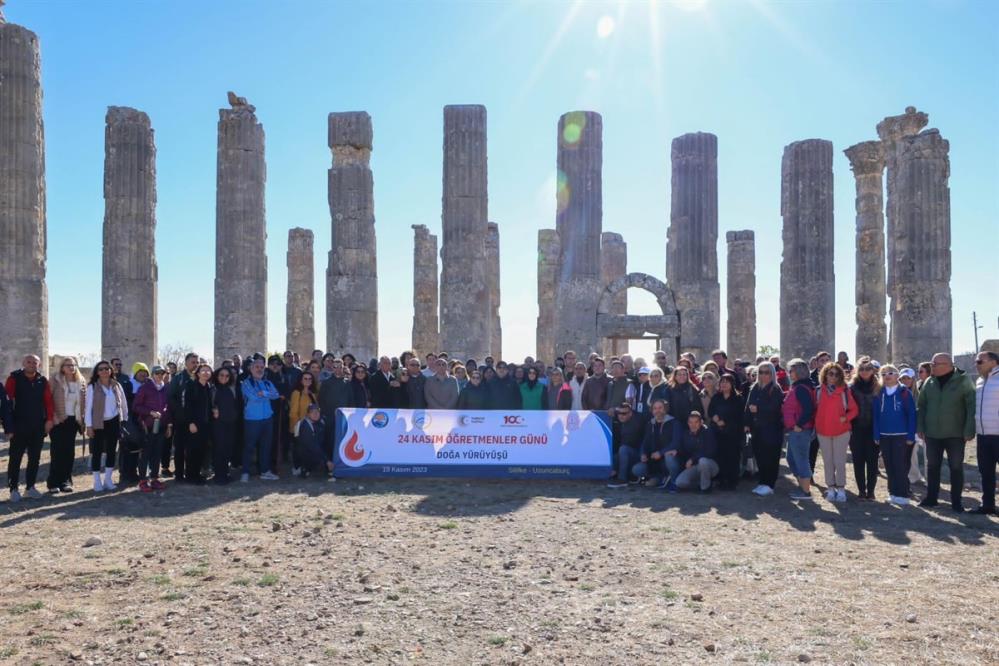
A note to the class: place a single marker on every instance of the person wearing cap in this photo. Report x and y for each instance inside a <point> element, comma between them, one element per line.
<point>152,410</point>
<point>503,391</point>
<point>987,426</point>
<point>864,386</point>
<point>128,460</point>
<point>639,392</point>
<point>630,433</point>
<point>917,470</point>
<point>893,412</point>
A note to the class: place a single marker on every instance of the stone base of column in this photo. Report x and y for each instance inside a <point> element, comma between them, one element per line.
<point>129,325</point>
<point>922,324</point>
<point>698,304</point>
<point>241,323</point>
<point>24,326</point>
<point>354,330</point>
<point>576,319</point>
<point>807,322</point>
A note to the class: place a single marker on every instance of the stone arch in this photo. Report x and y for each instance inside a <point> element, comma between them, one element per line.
<point>665,326</point>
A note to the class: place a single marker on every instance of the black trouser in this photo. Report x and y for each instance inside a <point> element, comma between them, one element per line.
<point>935,449</point>
<point>729,457</point>
<point>864,452</point>
<point>898,458</point>
<point>105,441</point>
<point>128,467</point>
<point>62,453</point>
<point>165,453</point>
<point>151,455</point>
<point>988,458</point>
<point>279,439</point>
<point>767,446</point>
<point>223,443</point>
<point>20,443</point>
<point>813,454</point>
<point>196,444</point>
<point>180,437</point>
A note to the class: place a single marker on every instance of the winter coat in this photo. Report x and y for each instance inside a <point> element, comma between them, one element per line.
<point>831,407</point>
<point>683,399</point>
<point>730,411</point>
<point>947,411</point>
<point>473,397</point>
<point>768,400</point>
<point>701,444</point>
<point>595,392</point>
<point>151,398</point>
<point>894,414</point>
<point>863,394</point>
<point>987,404</point>
<point>533,397</point>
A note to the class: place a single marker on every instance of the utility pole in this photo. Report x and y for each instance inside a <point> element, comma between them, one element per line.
<point>974,319</point>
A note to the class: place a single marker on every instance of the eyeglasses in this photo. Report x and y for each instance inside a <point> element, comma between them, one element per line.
<point>979,361</point>
<point>161,372</point>
<point>888,373</point>
<point>306,379</point>
<point>865,368</point>
<point>104,368</point>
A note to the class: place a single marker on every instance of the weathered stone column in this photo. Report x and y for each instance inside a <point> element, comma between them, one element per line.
<point>548,258</point>
<point>807,276</point>
<point>352,275</point>
<point>692,241</point>
<point>24,322</point>
<point>128,305</point>
<point>240,234</point>
<point>465,312</point>
<point>740,339</point>
<point>921,307</point>
<point>613,265</point>
<point>493,277</point>
<point>892,130</point>
<point>300,312</point>
<point>426,335</point>
<point>579,223</point>
<point>868,162</point>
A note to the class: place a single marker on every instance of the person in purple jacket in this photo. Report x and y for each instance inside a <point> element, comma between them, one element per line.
<point>152,407</point>
<point>895,432</point>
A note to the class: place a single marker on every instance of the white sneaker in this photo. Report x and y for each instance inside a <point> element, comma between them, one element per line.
<point>831,495</point>
<point>269,476</point>
<point>758,490</point>
<point>108,481</point>
<point>900,501</point>
<point>33,493</point>
<point>766,491</point>
<point>244,478</point>
<point>841,495</point>
<point>98,484</point>
<point>296,471</point>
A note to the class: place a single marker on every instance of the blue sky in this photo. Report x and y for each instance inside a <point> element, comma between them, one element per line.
<point>759,75</point>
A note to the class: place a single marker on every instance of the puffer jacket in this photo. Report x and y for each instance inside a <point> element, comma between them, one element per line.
<point>831,408</point>
<point>987,404</point>
<point>947,411</point>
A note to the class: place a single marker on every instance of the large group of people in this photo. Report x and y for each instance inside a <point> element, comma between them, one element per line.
<point>683,426</point>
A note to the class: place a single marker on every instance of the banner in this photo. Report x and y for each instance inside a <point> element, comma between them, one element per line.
<point>518,444</point>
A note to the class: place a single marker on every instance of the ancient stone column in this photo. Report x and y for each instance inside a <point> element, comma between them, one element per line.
<point>807,277</point>
<point>613,265</point>
<point>548,258</point>
<point>352,275</point>
<point>24,322</point>
<point>891,131</point>
<point>493,277</point>
<point>240,234</point>
<point>465,313</point>
<point>426,335</point>
<point>867,161</point>
<point>692,241</point>
<point>579,222</point>
<point>128,304</point>
<point>921,307</point>
<point>301,304</point>
<point>740,338</point>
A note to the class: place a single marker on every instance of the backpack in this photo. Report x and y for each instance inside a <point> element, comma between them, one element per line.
<point>791,409</point>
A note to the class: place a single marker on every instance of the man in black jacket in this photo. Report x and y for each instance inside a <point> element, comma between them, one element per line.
<point>382,384</point>
<point>175,399</point>
<point>630,434</point>
<point>30,422</point>
<point>504,393</point>
<point>698,443</point>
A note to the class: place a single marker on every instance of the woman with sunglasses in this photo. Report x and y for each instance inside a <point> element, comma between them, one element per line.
<point>360,396</point>
<point>894,429</point>
<point>835,409</point>
<point>474,395</point>
<point>103,414</point>
<point>69,393</point>
<point>305,394</point>
<point>197,422</point>
<point>764,422</point>
<point>863,447</point>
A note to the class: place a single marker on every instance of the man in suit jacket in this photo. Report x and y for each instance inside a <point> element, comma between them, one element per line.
<point>383,385</point>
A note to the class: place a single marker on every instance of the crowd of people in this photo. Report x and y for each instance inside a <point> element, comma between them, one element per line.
<point>696,426</point>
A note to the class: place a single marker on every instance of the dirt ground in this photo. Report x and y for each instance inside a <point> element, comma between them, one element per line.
<point>487,572</point>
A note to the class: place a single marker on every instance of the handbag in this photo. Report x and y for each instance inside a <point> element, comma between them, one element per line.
<point>132,436</point>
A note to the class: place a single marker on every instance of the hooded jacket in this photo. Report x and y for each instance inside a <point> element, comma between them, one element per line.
<point>947,411</point>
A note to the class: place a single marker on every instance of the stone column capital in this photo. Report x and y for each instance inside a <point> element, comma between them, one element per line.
<point>893,128</point>
<point>866,158</point>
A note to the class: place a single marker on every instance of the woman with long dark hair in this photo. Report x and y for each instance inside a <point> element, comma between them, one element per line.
<point>360,396</point>
<point>864,386</point>
<point>227,412</point>
<point>105,410</point>
<point>764,422</point>
<point>725,416</point>
<point>532,394</point>
<point>683,395</point>
<point>197,421</point>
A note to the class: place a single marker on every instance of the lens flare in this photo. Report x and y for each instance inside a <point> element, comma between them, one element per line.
<point>572,128</point>
<point>562,191</point>
<point>605,26</point>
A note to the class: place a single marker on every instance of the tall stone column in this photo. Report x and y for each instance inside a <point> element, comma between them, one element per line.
<point>892,130</point>
<point>426,335</point>
<point>465,312</point>
<point>300,312</point>
<point>352,275</point>
<point>921,307</point>
<point>240,233</point>
<point>579,223</point>
<point>493,277</point>
<point>868,162</point>
<point>24,323</point>
<point>692,241</point>
<point>128,304</point>
<point>740,338</point>
<point>807,275</point>
<point>613,265</point>
<point>548,274</point>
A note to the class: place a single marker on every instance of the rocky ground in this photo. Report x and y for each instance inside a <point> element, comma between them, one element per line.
<point>455,572</point>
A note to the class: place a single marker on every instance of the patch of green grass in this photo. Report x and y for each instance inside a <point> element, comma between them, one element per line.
<point>586,587</point>
<point>124,622</point>
<point>728,564</point>
<point>267,580</point>
<point>764,657</point>
<point>242,582</point>
<point>497,640</point>
<point>21,609</point>
<point>115,571</point>
<point>392,596</point>
<point>41,640</point>
<point>199,571</point>
<point>862,642</point>
<point>403,590</point>
<point>8,651</point>
<point>449,525</point>
<point>668,594</point>
<point>173,596</point>
<point>161,579</point>
<point>337,516</point>
<point>72,614</point>
<point>330,652</point>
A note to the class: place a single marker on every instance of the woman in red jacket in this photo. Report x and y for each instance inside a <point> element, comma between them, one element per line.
<point>834,411</point>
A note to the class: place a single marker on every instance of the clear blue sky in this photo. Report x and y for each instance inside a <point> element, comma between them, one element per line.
<point>757,74</point>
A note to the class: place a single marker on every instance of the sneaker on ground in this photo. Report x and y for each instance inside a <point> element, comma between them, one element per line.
<point>841,495</point>
<point>156,484</point>
<point>269,476</point>
<point>617,484</point>
<point>144,487</point>
<point>244,477</point>
<point>651,483</point>
<point>831,495</point>
<point>799,494</point>
<point>765,491</point>
<point>33,493</point>
<point>758,490</point>
<point>296,471</point>
<point>66,488</point>
<point>900,501</point>
<point>167,474</point>
<point>15,497</point>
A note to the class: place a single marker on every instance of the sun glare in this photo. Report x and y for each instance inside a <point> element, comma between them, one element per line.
<point>690,5</point>
<point>605,26</point>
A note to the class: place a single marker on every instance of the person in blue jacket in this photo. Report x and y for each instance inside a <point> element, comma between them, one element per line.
<point>258,422</point>
<point>895,432</point>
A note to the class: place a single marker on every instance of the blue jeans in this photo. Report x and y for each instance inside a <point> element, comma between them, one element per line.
<point>627,456</point>
<point>799,445</point>
<point>257,433</point>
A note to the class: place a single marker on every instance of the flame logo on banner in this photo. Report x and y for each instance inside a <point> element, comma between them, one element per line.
<point>352,453</point>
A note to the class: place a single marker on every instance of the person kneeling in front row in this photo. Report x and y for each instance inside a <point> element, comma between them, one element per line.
<point>631,433</point>
<point>698,444</point>
<point>310,444</point>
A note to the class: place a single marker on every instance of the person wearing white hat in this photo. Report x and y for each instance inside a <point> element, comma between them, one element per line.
<point>917,469</point>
